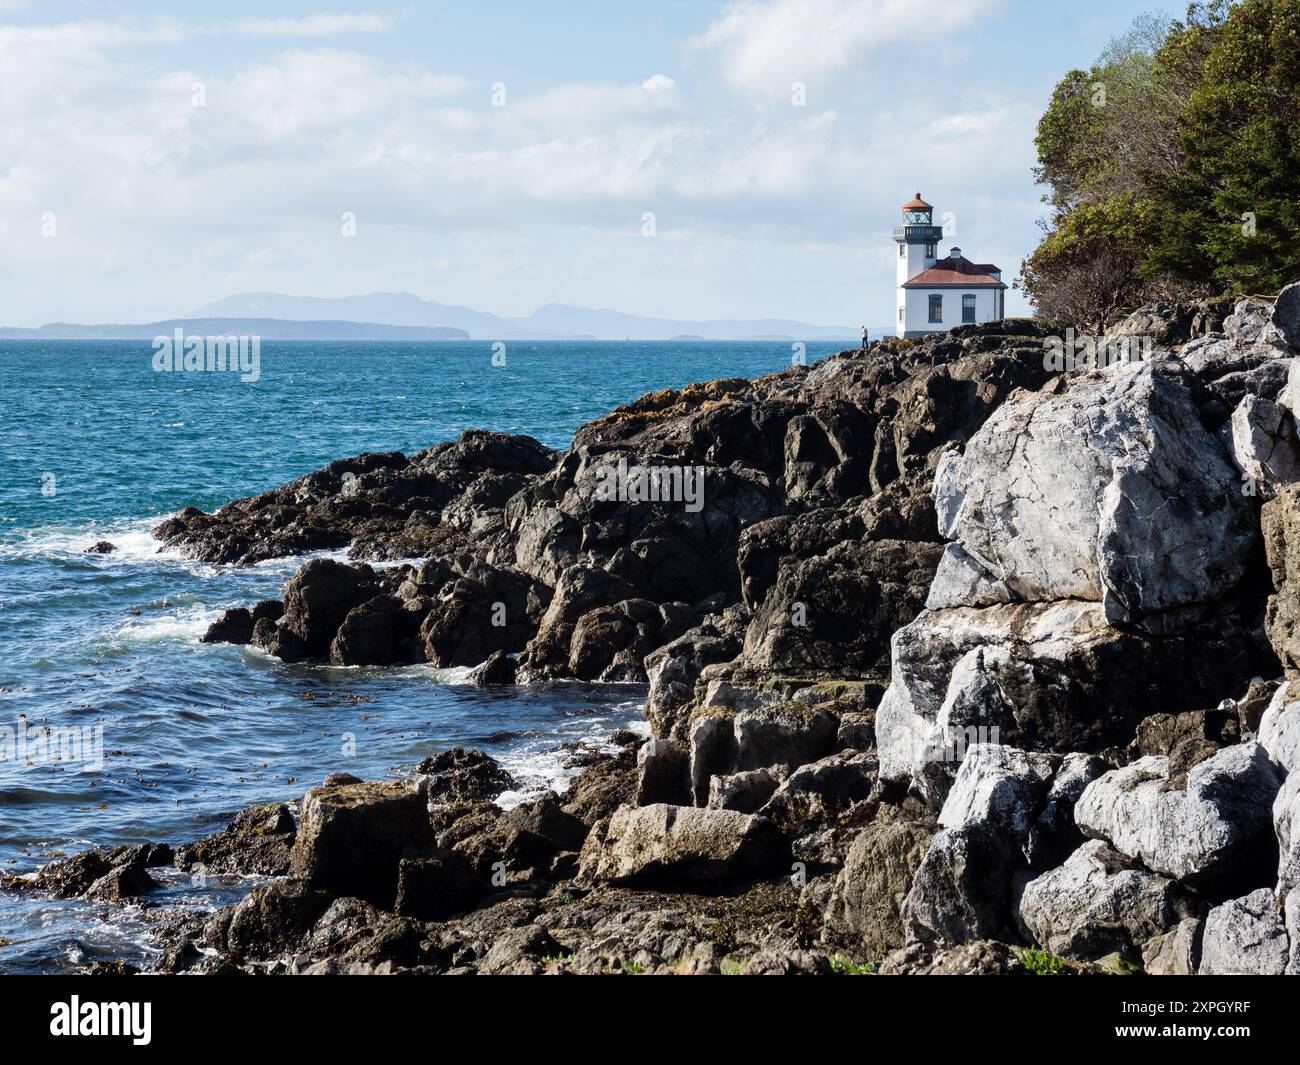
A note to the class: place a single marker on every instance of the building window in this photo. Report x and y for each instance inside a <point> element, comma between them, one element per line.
<point>902,251</point>
<point>932,251</point>
<point>902,315</point>
<point>968,308</point>
<point>936,310</point>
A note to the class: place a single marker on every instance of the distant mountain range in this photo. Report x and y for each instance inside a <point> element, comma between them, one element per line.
<point>266,328</point>
<point>552,322</point>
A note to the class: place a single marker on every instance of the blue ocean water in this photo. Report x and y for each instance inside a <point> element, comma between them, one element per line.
<point>172,736</point>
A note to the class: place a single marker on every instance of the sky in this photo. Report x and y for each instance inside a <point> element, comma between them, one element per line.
<point>689,159</point>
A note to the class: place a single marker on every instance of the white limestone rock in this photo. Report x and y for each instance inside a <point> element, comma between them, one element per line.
<point>1097,903</point>
<point>1286,316</point>
<point>1245,937</point>
<point>1001,787</point>
<point>963,885</point>
<point>1290,395</point>
<point>961,581</point>
<point>1264,445</point>
<point>1111,492</point>
<point>1286,822</point>
<point>1194,835</point>
<point>1291,915</point>
<point>1175,953</point>
<point>948,493</point>
<point>1279,730</point>
<point>682,843</point>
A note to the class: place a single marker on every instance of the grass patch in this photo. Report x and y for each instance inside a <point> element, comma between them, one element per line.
<point>1040,963</point>
<point>557,959</point>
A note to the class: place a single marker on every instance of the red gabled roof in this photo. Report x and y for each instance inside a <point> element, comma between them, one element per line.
<point>918,204</point>
<point>960,272</point>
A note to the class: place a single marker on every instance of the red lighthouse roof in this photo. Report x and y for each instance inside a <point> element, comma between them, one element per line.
<point>918,204</point>
<point>957,271</point>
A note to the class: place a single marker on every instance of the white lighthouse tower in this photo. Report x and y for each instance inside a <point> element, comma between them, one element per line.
<point>935,295</point>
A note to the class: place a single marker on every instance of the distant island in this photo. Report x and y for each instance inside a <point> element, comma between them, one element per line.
<point>552,322</point>
<point>266,328</point>
<point>403,316</point>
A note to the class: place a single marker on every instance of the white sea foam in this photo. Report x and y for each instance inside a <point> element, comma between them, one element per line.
<point>185,623</point>
<point>134,542</point>
<point>553,767</point>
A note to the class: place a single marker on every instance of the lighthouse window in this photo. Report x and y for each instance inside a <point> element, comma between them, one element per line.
<point>936,309</point>
<point>968,308</point>
<point>902,251</point>
<point>931,251</point>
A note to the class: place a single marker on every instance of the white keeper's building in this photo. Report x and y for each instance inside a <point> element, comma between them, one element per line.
<point>935,295</point>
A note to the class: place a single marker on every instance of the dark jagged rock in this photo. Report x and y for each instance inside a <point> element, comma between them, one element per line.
<point>461,775</point>
<point>497,671</point>
<point>271,609</point>
<point>601,788</point>
<point>352,837</point>
<point>125,881</point>
<point>433,884</point>
<point>825,471</point>
<point>1185,739</point>
<point>278,641</point>
<point>546,818</point>
<point>865,908</point>
<point>233,626</point>
<point>675,669</point>
<point>111,875</point>
<point>320,596</point>
<point>379,632</point>
<point>367,502</point>
<point>103,547</point>
<point>478,612</point>
<point>269,920</point>
<point>256,843</point>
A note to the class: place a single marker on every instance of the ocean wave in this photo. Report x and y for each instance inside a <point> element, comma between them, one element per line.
<point>134,542</point>
<point>185,623</point>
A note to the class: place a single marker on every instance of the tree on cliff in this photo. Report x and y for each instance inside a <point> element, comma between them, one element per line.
<point>1173,165</point>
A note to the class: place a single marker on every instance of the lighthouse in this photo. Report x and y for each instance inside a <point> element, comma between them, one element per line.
<point>935,295</point>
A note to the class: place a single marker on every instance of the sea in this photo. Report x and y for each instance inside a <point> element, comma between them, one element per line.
<point>117,726</point>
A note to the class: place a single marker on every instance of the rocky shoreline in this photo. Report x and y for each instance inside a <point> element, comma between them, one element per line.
<point>960,665</point>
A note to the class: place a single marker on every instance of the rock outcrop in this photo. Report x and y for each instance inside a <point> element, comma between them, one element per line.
<point>674,843</point>
<point>947,654</point>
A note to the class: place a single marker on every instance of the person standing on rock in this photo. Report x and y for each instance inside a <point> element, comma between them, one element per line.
<point>865,337</point>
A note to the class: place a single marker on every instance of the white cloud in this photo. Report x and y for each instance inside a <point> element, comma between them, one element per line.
<point>314,25</point>
<point>659,83</point>
<point>761,208</point>
<point>767,44</point>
